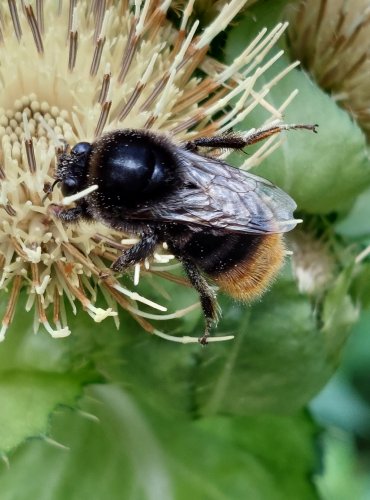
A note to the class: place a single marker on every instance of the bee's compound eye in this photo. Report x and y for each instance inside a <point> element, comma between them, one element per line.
<point>81,148</point>
<point>69,186</point>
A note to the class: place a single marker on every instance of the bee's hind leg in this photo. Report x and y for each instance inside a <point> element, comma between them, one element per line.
<point>238,140</point>
<point>207,296</point>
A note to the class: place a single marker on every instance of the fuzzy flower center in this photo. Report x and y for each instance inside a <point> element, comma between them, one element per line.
<point>12,123</point>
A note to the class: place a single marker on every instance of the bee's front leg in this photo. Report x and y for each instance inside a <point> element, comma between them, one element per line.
<point>137,253</point>
<point>68,215</point>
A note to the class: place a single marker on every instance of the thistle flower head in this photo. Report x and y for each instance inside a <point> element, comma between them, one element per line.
<point>331,39</point>
<point>70,72</point>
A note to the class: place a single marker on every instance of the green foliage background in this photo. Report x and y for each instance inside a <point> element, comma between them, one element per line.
<point>121,414</point>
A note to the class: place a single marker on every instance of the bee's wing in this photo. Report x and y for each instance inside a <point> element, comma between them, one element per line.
<point>217,195</point>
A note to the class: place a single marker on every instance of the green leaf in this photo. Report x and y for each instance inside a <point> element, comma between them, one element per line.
<point>125,452</point>
<point>279,359</point>
<point>357,354</point>
<point>323,172</point>
<point>338,314</point>
<point>282,354</point>
<point>343,478</point>
<point>157,372</point>
<point>27,400</point>
<point>36,375</point>
<point>264,13</point>
<point>356,223</point>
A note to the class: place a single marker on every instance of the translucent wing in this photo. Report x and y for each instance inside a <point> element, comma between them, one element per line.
<point>214,194</point>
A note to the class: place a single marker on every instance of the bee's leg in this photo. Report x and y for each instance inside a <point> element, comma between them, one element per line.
<point>137,253</point>
<point>207,296</point>
<point>240,140</point>
<point>69,214</point>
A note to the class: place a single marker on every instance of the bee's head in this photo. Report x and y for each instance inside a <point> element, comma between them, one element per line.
<point>72,169</point>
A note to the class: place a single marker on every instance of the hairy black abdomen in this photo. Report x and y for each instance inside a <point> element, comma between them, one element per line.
<point>215,254</point>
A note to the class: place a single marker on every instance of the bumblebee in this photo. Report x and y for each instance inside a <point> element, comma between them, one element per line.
<point>224,225</point>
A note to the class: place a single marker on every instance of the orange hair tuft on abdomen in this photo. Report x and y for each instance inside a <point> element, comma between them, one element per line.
<point>249,278</point>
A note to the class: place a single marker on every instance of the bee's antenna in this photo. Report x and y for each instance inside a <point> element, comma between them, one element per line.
<point>48,188</point>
